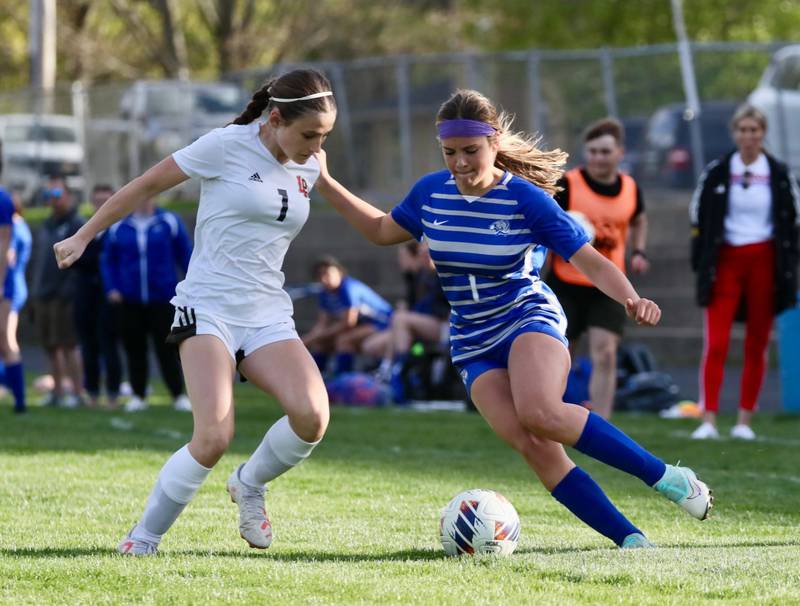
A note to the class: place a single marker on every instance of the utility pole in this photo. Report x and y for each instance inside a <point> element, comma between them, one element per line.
<point>692,114</point>
<point>42,52</point>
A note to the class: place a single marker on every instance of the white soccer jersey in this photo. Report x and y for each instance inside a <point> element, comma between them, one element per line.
<point>251,208</point>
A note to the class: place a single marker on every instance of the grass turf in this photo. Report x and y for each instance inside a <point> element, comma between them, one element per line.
<point>357,523</point>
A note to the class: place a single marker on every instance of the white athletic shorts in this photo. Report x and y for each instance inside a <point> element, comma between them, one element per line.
<point>240,341</point>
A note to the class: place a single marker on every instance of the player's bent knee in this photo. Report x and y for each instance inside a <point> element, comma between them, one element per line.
<point>311,423</point>
<point>542,421</point>
<point>212,443</point>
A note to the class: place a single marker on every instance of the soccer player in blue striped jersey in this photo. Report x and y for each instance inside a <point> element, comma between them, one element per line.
<point>488,219</point>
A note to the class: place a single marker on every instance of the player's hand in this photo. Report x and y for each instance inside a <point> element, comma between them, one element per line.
<point>639,264</point>
<point>114,296</point>
<point>322,158</point>
<point>68,251</point>
<point>643,311</point>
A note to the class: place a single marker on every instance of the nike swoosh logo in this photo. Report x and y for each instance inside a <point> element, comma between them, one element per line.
<point>437,222</point>
<point>696,492</point>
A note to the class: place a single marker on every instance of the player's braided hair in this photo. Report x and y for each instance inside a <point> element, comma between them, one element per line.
<point>518,152</point>
<point>291,85</point>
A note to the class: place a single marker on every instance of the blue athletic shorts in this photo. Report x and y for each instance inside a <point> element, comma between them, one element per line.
<point>497,356</point>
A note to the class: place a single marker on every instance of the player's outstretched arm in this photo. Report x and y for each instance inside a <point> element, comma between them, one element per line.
<point>609,279</point>
<point>374,224</point>
<point>159,178</point>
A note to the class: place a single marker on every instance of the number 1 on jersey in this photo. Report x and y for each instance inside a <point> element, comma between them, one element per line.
<point>284,204</point>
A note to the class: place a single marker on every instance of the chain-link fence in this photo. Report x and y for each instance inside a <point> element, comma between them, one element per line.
<point>385,138</point>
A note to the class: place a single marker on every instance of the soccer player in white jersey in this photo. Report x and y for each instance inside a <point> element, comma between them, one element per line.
<point>231,310</point>
<point>487,220</point>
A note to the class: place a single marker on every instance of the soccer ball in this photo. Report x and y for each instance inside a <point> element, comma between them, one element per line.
<point>479,521</point>
<point>584,222</point>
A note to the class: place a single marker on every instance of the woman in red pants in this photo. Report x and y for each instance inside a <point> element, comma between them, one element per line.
<point>744,216</point>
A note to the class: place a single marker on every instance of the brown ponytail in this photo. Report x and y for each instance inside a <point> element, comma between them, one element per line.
<point>258,103</point>
<point>291,85</point>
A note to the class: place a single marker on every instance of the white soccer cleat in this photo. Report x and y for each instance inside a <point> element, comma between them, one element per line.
<point>680,485</point>
<point>706,431</point>
<point>182,404</point>
<point>254,524</point>
<point>136,404</point>
<point>742,432</point>
<point>136,547</point>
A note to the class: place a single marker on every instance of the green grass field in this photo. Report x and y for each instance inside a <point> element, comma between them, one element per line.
<point>357,523</point>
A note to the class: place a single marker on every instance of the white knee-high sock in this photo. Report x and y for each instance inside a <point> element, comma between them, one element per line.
<point>177,483</point>
<point>279,451</point>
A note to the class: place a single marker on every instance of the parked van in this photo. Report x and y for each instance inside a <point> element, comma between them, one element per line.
<point>35,146</point>
<point>778,96</point>
<point>169,114</point>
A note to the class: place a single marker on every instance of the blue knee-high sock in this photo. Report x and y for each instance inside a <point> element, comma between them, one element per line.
<point>15,379</point>
<point>344,363</point>
<point>579,493</point>
<point>604,442</point>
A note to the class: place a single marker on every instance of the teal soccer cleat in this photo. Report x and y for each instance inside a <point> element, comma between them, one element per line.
<point>680,485</point>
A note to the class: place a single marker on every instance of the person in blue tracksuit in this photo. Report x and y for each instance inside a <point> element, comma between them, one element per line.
<point>487,220</point>
<point>15,294</point>
<point>143,257</point>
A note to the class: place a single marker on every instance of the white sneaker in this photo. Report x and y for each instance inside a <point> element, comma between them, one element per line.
<point>136,547</point>
<point>680,485</point>
<point>182,403</point>
<point>706,431</point>
<point>254,525</point>
<point>742,432</point>
<point>70,400</point>
<point>136,404</point>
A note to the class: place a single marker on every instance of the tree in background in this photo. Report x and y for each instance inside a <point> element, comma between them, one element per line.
<point>126,39</point>
<point>203,39</point>
<point>521,24</point>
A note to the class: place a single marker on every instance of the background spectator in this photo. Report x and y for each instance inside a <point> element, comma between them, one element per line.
<point>350,311</point>
<point>16,245</point>
<point>53,293</point>
<point>95,319</point>
<point>744,251</point>
<point>140,261</point>
<point>426,321</point>
<point>613,204</point>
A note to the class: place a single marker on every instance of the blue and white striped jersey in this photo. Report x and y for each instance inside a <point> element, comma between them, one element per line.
<point>488,252</point>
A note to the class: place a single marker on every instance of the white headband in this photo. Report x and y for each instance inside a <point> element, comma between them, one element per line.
<point>326,93</point>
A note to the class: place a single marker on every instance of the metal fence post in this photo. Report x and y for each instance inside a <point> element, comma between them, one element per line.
<point>534,93</point>
<point>404,117</point>
<point>609,89</point>
<point>80,110</point>
<point>343,106</point>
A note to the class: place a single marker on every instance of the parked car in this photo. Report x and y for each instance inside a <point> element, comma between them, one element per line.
<point>666,157</point>
<point>169,114</point>
<point>35,146</point>
<point>778,96</point>
<point>634,136</point>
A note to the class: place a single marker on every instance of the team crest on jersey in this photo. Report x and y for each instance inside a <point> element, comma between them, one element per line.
<point>501,227</point>
<point>302,186</point>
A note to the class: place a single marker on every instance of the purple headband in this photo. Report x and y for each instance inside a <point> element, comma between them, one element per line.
<point>464,128</point>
